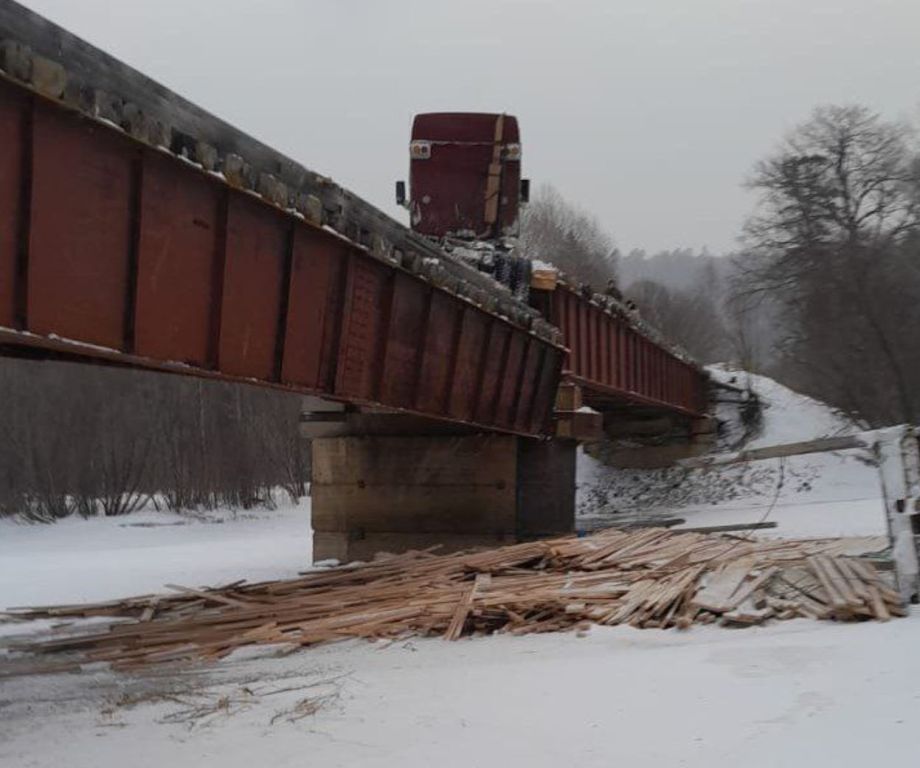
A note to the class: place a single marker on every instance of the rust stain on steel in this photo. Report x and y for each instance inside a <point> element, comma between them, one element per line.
<point>470,349</point>
<point>314,312</point>
<point>492,369</point>
<point>408,315</point>
<point>363,327</point>
<point>112,251</point>
<point>252,289</point>
<point>521,415</point>
<point>434,382</point>
<point>511,380</point>
<point>179,235</point>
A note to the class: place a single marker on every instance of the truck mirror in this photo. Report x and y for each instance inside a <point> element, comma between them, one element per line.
<point>401,193</point>
<point>525,191</point>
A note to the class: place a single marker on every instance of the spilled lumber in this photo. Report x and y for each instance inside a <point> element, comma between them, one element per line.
<point>648,578</point>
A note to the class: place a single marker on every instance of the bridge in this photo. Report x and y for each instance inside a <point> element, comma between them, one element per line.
<point>138,230</point>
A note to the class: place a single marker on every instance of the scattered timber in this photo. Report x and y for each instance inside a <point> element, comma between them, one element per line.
<point>649,577</point>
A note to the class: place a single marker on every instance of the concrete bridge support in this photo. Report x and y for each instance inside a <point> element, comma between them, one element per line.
<point>394,493</point>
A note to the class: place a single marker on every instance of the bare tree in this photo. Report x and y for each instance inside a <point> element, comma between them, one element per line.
<point>834,243</point>
<point>88,439</point>
<point>690,318</point>
<point>555,231</point>
<point>838,188</point>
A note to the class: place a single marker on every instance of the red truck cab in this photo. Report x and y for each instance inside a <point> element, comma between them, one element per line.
<point>464,176</point>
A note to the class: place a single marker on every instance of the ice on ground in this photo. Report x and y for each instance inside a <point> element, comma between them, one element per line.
<point>795,693</point>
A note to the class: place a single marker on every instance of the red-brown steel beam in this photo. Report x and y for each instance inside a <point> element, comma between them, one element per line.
<point>610,356</point>
<point>113,251</point>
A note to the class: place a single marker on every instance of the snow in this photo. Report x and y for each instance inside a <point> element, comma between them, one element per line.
<point>822,495</point>
<point>808,520</point>
<point>792,693</point>
<point>796,694</point>
<point>789,417</point>
<point>77,560</point>
<point>816,495</point>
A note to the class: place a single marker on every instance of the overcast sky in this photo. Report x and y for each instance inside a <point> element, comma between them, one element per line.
<point>647,113</point>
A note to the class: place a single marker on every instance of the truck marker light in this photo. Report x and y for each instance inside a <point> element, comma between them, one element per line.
<point>420,150</point>
<point>512,151</point>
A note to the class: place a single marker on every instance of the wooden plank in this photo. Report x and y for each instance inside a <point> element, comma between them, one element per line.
<point>730,527</point>
<point>748,588</point>
<point>569,397</point>
<point>822,445</point>
<point>212,596</point>
<point>878,604</point>
<point>836,599</point>
<point>722,584</point>
<point>463,608</point>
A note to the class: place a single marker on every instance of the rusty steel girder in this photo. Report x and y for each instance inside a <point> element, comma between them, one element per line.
<point>113,250</point>
<point>613,359</point>
<point>137,229</point>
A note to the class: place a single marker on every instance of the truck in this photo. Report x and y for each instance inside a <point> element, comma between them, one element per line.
<point>466,191</point>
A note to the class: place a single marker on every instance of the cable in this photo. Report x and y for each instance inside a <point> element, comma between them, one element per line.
<point>779,488</point>
<point>763,519</point>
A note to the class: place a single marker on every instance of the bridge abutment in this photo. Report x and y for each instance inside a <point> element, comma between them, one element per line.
<point>388,493</point>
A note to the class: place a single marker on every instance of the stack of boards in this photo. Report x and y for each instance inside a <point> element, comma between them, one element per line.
<point>646,578</point>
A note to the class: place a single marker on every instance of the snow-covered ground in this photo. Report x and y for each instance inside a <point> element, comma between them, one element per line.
<point>796,694</point>
<point>831,494</point>
<point>799,693</point>
<point>76,560</point>
<point>788,416</point>
<point>835,494</point>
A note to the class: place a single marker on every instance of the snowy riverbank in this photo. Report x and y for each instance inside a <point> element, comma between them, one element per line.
<point>77,560</point>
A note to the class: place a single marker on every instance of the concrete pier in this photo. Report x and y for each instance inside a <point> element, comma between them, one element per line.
<point>395,493</point>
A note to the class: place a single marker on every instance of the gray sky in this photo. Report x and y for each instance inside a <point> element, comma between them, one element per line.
<point>647,113</point>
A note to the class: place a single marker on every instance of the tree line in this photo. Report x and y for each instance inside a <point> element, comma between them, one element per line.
<point>89,439</point>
